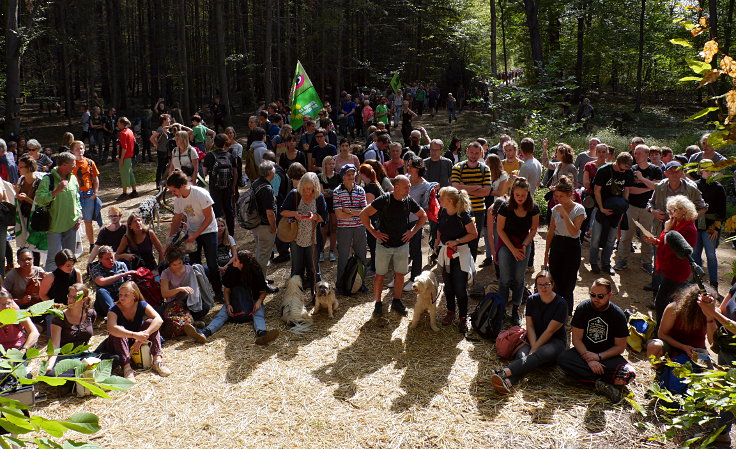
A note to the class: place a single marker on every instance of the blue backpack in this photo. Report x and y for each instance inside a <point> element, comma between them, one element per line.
<point>487,319</point>
<point>669,381</point>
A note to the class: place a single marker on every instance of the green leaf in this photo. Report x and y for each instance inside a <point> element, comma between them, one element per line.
<point>115,383</point>
<point>103,370</point>
<point>682,42</point>
<point>53,381</point>
<point>702,113</point>
<point>10,316</point>
<point>67,364</point>
<point>13,403</point>
<point>68,444</point>
<point>12,412</point>
<point>32,353</point>
<point>15,428</point>
<point>697,66</point>
<point>97,391</point>
<point>86,423</point>
<point>40,308</point>
<point>15,355</point>
<point>4,444</point>
<point>52,427</point>
<point>690,78</point>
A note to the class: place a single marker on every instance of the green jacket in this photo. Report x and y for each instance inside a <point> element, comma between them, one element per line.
<point>65,208</point>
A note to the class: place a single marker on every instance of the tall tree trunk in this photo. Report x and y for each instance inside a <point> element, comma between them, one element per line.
<point>531,8</point>
<point>117,54</point>
<point>12,62</point>
<point>65,69</point>
<point>502,6</point>
<point>279,90</point>
<point>713,20</point>
<point>184,61</point>
<point>338,61</point>
<point>580,50</point>
<point>640,64</point>
<point>494,62</point>
<point>221,66</point>
<point>553,30</point>
<point>267,61</point>
<point>728,27</point>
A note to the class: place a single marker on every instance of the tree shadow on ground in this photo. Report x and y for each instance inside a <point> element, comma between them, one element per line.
<point>489,402</point>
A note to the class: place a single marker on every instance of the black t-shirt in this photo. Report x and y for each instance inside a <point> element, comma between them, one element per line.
<point>600,328</point>
<point>452,227</point>
<point>331,184</point>
<point>517,228</point>
<point>374,189</point>
<point>234,278</point>
<point>319,153</point>
<point>393,217</point>
<point>612,182</point>
<point>652,173</point>
<point>285,162</point>
<point>419,150</point>
<point>264,198</point>
<point>111,238</point>
<point>542,313</point>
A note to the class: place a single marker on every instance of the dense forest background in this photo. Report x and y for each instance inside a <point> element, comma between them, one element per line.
<point>134,51</point>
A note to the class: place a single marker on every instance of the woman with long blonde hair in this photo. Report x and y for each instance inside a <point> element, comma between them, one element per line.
<point>454,231</point>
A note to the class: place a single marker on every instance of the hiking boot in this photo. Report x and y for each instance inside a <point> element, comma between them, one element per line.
<point>161,369</point>
<point>398,307</point>
<point>449,318</point>
<point>620,265</point>
<point>133,194</point>
<point>486,262</point>
<point>378,310</point>
<point>595,269</point>
<point>648,268</point>
<point>194,334</point>
<point>515,320</point>
<point>462,325</point>
<point>612,392</point>
<point>500,383</point>
<point>265,337</point>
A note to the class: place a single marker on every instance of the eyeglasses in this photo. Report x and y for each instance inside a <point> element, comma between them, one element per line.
<point>545,285</point>
<point>319,135</point>
<point>598,295</point>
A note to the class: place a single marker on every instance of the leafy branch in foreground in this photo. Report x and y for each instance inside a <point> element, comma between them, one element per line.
<point>91,373</point>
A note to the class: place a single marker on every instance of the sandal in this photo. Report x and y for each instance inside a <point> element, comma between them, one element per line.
<point>161,369</point>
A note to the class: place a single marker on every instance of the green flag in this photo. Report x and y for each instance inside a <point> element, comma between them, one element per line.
<point>395,83</point>
<point>304,99</point>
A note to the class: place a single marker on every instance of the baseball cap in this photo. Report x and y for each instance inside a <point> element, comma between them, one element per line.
<point>672,164</point>
<point>347,167</point>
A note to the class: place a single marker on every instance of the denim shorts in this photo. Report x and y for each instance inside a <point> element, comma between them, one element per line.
<point>90,208</point>
<point>399,255</point>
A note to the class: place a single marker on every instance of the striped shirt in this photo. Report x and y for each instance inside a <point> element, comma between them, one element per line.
<point>479,175</point>
<point>354,199</point>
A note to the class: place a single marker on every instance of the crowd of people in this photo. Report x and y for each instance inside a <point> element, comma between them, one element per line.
<point>379,200</point>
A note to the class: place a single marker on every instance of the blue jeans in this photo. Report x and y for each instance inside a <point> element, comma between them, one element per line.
<point>57,242</point>
<point>605,256</point>
<point>704,242</point>
<point>242,302</point>
<point>512,274</point>
<point>209,242</point>
<point>300,264</point>
<point>103,302</point>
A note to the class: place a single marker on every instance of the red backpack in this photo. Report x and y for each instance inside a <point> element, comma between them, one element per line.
<point>510,341</point>
<point>433,209</point>
<point>150,289</point>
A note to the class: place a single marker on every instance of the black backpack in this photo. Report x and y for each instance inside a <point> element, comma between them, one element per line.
<point>487,319</point>
<point>223,170</point>
<point>352,278</point>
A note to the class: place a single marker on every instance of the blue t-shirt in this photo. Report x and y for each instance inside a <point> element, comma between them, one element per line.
<point>348,107</point>
<point>135,324</point>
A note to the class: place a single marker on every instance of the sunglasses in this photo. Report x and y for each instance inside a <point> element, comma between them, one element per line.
<point>598,295</point>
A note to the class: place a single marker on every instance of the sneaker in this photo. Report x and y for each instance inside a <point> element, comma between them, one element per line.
<point>609,269</point>
<point>265,337</point>
<point>129,374</point>
<point>486,262</point>
<point>449,318</point>
<point>515,319</point>
<point>408,286</point>
<point>133,194</point>
<point>378,309</point>
<point>620,265</point>
<point>462,325</point>
<point>391,284</point>
<point>194,334</point>
<point>322,256</point>
<point>281,258</point>
<point>122,197</point>
<point>648,268</point>
<point>332,256</point>
<point>161,369</point>
<point>612,392</point>
<point>398,307</point>
<point>501,383</point>
<point>595,269</point>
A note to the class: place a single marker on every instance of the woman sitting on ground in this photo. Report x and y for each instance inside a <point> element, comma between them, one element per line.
<point>183,300</point>
<point>683,328</point>
<point>108,275</point>
<point>226,247</point>
<point>546,312</point>
<point>24,282</point>
<point>131,323</point>
<point>136,247</point>
<point>110,235</point>
<point>245,290</point>
<point>55,285</point>
<point>22,335</point>
<point>76,326</point>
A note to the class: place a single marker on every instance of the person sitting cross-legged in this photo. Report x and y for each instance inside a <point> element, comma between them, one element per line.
<point>599,332</point>
<point>245,290</point>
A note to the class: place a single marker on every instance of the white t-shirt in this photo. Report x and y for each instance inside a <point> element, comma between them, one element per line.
<point>182,160</point>
<point>192,207</point>
<point>560,226</point>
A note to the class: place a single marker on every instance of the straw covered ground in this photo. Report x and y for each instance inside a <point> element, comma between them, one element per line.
<point>353,382</point>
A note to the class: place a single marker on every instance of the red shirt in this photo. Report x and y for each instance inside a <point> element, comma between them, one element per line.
<point>392,168</point>
<point>668,264</point>
<point>127,143</point>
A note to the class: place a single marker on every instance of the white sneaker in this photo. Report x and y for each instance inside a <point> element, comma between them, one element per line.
<point>408,286</point>
<point>391,284</point>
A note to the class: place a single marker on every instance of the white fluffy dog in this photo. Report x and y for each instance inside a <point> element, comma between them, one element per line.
<point>293,311</point>
<point>425,286</point>
<point>325,293</point>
